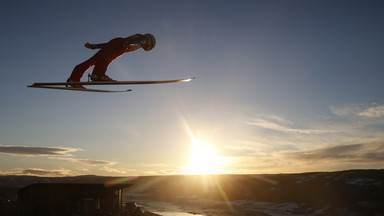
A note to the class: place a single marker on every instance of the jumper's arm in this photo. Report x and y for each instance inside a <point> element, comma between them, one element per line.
<point>94,46</point>
<point>133,40</point>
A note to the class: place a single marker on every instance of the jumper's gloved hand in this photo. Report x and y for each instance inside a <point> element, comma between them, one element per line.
<point>90,46</point>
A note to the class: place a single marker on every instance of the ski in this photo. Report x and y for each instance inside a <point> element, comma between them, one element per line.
<point>110,82</point>
<point>79,89</point>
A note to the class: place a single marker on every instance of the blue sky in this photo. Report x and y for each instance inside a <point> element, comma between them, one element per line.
<point>281,86</point>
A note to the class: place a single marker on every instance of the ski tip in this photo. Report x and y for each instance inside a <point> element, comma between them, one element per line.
<point>189,79</point>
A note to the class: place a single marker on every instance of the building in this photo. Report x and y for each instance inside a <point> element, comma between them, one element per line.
<point>62,199</point>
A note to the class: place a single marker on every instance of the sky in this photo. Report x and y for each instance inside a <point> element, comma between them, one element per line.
<point>281,87</point>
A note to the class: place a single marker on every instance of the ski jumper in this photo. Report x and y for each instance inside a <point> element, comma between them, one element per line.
<point>101,60</point>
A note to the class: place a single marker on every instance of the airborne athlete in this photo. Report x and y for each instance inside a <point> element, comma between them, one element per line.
<point>101,60</point>
<point>109,52</point>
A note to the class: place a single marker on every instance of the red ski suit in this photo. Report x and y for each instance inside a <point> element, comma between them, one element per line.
<point>101,60</point>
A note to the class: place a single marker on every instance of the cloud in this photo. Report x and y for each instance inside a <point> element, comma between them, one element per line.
<point>42,172</point>
<point>278,126</point>
<point>354,110</point>
<point>369,155</point>
<point>84,161</point>
<point>345,111</point>
<point>362,153</point>
<point>94,162</point>
<point>373,112</point>
<point>39,172</point>
<point>278,119</point>
<point>112,170</point>
<point>36,151</point>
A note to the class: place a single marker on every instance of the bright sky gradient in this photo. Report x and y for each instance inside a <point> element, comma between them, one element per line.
<point>281,86</point>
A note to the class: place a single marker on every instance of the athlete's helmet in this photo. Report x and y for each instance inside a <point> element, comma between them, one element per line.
<point>150,42</point>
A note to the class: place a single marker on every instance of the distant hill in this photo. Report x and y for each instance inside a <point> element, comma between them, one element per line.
<point>358,191</point>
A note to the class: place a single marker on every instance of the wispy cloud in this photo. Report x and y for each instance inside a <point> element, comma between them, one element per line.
<point>373,112</point>
<point>94,162</point>
<point>37,151</point>
<point>42,172</point>
<point>346,110</point>
<point>359,110</point>
<point>362,153</point>
<point>361,122</point>
<point>337,157</point>
<point>281,126</point>
<point>112,170</point>
<point>351,138</point>
<point>84,161</point>
<point>39,172</point>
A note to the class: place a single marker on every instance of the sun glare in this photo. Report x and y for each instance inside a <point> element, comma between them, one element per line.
<point>203,159</point>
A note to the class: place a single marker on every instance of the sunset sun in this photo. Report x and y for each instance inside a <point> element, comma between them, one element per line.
<point>203,159</point>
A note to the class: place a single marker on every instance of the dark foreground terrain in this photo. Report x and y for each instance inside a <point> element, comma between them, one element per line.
<point>352,192</point>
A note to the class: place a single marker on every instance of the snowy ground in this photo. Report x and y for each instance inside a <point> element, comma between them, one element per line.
<point>201,207</point>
